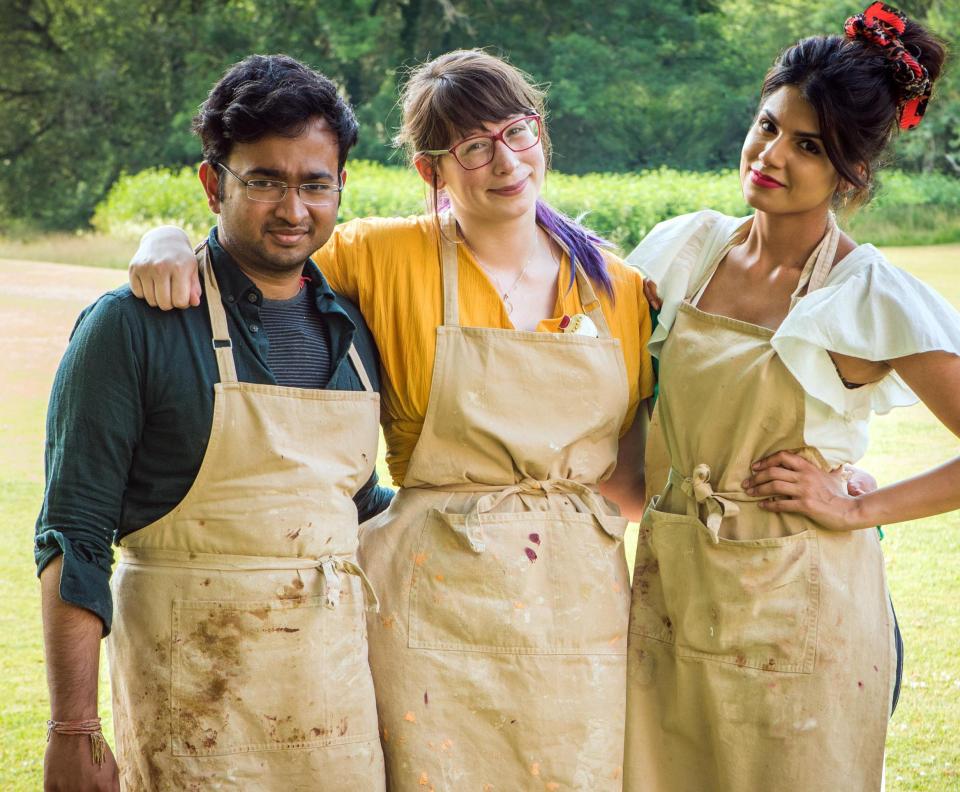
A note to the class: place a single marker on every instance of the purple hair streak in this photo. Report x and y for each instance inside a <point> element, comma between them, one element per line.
<point>582,244</point>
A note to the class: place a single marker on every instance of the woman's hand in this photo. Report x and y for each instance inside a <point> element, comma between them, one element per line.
<point>800,486</point>
<point>795,485</point>
<point>163,271</point>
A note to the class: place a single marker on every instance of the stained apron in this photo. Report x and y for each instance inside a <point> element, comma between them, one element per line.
<point>238,655</point>
<point>761,646</point>
<point>499,651</point>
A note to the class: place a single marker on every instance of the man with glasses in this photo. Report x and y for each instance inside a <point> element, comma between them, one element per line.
<point>229,452</point>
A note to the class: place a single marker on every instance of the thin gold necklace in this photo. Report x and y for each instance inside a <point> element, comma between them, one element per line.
<point>504,293</point>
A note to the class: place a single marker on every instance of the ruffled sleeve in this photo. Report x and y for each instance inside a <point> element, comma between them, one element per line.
<point>871,310</point>
<point>675,255</point>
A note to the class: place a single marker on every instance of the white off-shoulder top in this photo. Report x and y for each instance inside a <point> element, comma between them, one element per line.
<point>867,308</point>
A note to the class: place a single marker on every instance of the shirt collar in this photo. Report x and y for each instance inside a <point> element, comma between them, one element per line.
<point>235,285</point>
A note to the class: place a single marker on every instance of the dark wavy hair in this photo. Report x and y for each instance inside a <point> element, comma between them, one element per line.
<point>850,84</point>
<point>270,95</point>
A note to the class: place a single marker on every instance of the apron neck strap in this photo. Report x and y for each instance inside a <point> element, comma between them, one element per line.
<point>447,227</point>
<point>359,368</point>
<point>588,297</point>
<point>451,294</point>
<point>812,277</point>
<point>222,345</point>
<point>818,266</point>
<point>698,286</point>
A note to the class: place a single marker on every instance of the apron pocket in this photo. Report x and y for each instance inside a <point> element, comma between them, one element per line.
<point>751,603</point>
<point>270,675</point>
<point>520,583</point>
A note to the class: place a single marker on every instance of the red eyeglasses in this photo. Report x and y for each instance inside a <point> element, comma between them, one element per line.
<point>477,150</point>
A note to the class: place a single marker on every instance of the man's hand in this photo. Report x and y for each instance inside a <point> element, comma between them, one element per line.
<point>163,271</point>
<point>859,482</point>
<point>650,292</point>
<point>68,766</point>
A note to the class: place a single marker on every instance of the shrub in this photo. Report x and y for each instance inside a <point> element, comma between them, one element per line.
<point>908,209</point>
<point>139,201</point>
<point>624,207</point>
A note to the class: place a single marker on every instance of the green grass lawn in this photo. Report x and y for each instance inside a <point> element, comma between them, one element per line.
<point>87,249</point>
<point>37,309</point>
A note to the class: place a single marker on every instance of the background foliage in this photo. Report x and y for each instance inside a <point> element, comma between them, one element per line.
<point>90,89</point>
<point>910,208</point>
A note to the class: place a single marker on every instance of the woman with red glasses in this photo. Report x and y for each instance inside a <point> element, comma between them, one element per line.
<point>514,369</point>
<point>763,647</point>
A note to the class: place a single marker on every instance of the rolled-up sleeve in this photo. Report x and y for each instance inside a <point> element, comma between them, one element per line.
<point>94,421</point>
<point>372,498</point>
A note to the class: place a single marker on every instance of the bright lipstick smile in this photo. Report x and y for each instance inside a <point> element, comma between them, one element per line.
<point>763,181</point>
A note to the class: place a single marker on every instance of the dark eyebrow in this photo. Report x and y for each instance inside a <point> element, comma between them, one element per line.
<point>773,118</point>
<point>273,173</point>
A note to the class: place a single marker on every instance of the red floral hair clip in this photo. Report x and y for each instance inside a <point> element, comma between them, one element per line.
<point>882,26</point>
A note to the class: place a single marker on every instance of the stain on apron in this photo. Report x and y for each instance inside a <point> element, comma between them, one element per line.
<point>238,654</point>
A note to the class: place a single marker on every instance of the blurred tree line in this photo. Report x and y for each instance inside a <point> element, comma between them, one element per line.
<point>91,89</point>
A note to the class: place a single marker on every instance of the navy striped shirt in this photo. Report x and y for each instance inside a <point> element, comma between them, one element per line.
<point>299,353</point>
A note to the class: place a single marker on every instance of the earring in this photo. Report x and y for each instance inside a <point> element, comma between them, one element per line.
<point>847,196</point>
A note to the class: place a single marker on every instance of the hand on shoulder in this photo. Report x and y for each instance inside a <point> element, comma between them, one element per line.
<point>163,271</point>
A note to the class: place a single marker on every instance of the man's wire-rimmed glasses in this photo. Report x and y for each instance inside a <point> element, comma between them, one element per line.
<point>272,191</point>
<point>477,150</point>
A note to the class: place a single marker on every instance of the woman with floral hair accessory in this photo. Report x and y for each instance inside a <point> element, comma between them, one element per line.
<point>763,650</point>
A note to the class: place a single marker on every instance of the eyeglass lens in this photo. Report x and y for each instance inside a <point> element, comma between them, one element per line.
<point>318,194</point>
<point>476,152</point>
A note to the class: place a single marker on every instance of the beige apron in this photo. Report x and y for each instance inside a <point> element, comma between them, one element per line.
<point>656,458</point>
<point>761,646</point>
<point>499,651</point>
<point>238,654</point>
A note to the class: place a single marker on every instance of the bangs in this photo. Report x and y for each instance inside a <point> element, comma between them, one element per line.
<point>463,103</point>
<point>457,94</point>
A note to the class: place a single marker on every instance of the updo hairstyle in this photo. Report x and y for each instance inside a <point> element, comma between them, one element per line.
<point>857,91</point>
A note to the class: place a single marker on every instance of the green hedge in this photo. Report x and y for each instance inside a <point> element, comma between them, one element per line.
<point>908,208</point>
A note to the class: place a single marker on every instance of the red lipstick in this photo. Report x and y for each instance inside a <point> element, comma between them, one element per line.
<point>763,181</point>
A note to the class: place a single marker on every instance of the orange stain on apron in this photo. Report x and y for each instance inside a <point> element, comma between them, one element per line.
<point>495,563</point>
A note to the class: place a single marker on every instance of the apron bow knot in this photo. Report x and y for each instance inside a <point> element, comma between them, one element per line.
<point>585,498</point>
<point>697,488</point>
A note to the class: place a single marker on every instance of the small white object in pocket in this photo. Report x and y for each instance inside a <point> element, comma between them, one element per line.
<point>579,324</point>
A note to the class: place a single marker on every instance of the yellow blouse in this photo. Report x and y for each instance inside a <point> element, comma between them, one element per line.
<point>390,267</point>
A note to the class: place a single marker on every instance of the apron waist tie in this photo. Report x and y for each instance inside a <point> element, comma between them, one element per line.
<point>586,499</point>
<point>717,505</point>
<point>329,567</point>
